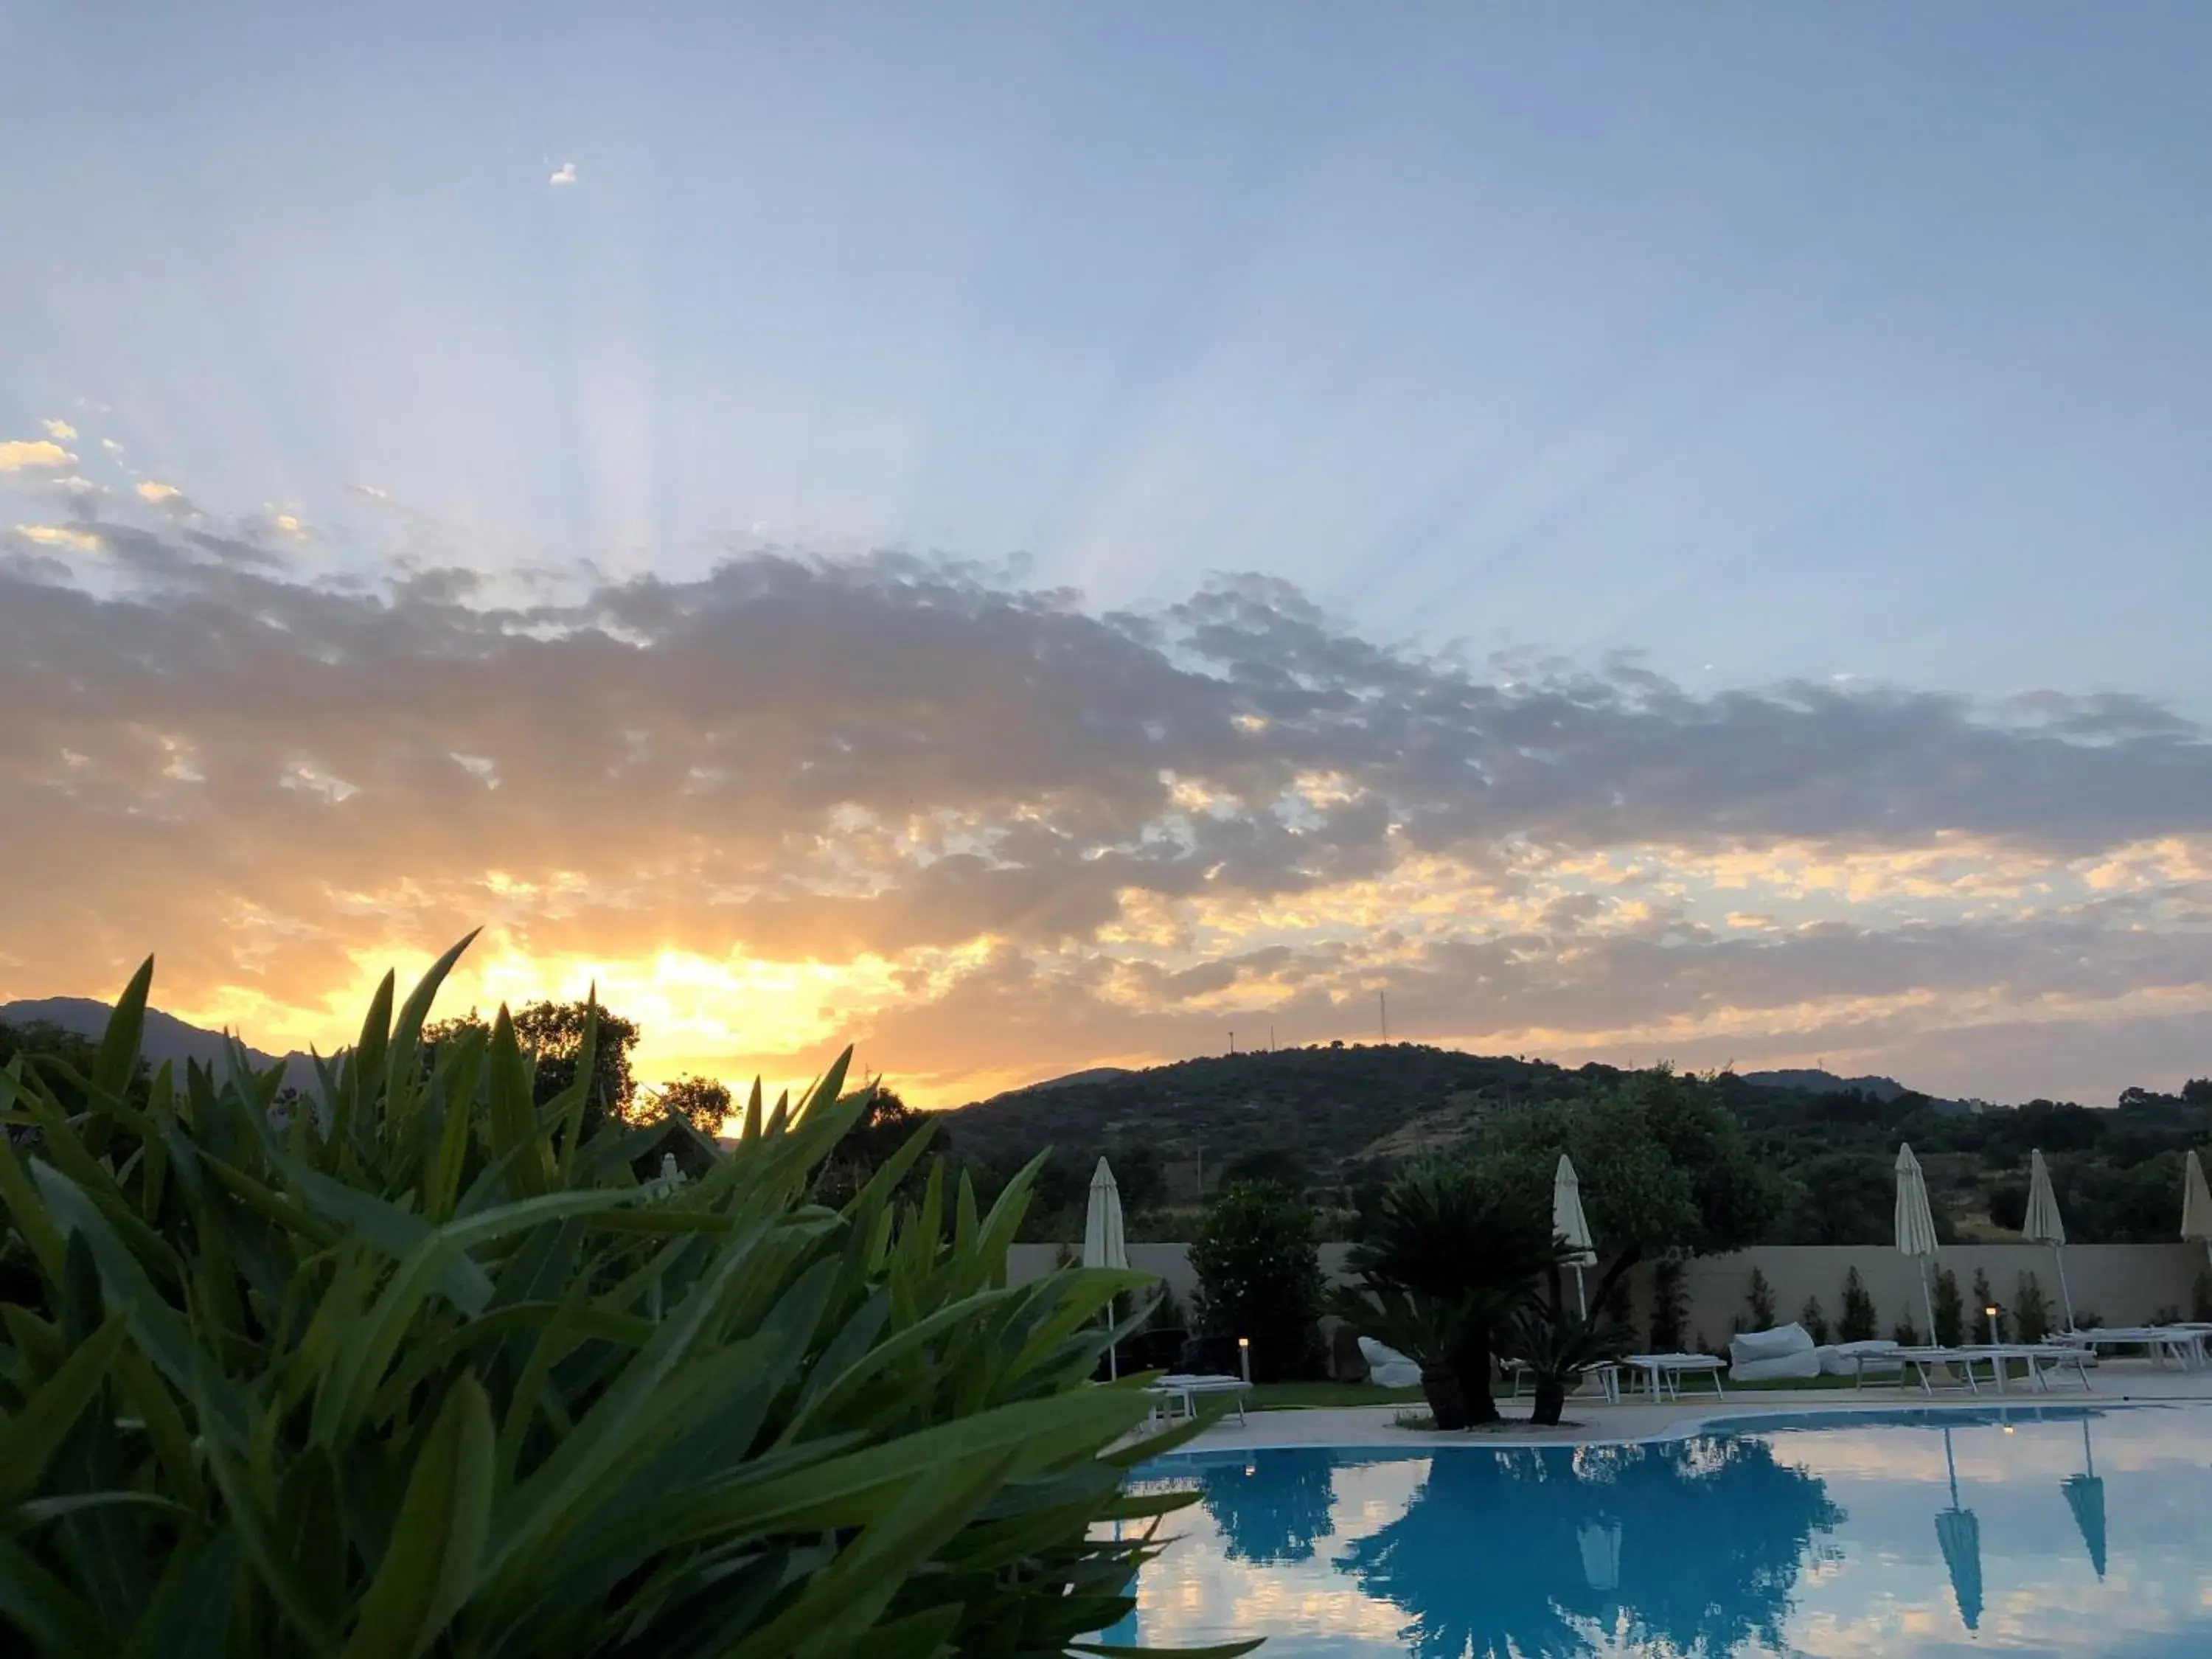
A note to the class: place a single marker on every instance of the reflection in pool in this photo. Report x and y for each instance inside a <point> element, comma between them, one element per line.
<point>2054,1531</point>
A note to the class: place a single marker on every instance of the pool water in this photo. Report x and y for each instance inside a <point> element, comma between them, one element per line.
<point>2051,1531</point>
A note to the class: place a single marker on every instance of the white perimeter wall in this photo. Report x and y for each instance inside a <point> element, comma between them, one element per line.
<point>2122,1284</point>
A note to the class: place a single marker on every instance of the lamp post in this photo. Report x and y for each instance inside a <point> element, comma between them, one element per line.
<point>1244,1358</point>
<point>1992,1311</point>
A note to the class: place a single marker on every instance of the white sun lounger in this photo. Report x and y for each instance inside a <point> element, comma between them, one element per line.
<point>1184,1391</point>
<point>1663,1373</point>
<point>2183,1344</point>
<point>2042,1360</point>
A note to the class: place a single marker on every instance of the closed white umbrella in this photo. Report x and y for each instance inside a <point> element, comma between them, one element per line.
<point>2043,1226</point>
<point>2197,1206</point>
<point>1104,1243</point>
<point>1569,1222</point>
<point>1915,1225</point>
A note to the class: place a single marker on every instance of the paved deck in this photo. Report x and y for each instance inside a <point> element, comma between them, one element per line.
<point>1590,1420</point>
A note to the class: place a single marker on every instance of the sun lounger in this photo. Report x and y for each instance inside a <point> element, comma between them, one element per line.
<point>2183,1344</point>
<point>2041,1360</point>
<point>1663,1373</point>
<point>1184,1391</point>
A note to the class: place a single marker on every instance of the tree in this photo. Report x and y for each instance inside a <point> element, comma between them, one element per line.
<point>552,1034</point>
<point>1840,1198</point>
<point>1758,1303</point>
<point>1857,1323</point>
<point>1276,1163</point>
<point>1556,1344</point>
<point>1664,1166</point>
<point>1815,1321</point>
<point>885,1125</point>
<point>1258,1277</point>
<point>1950,1308</point>
<point>701,1102</point>
<point>1450,1257</point>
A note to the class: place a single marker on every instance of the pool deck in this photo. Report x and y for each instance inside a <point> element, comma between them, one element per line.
<point>1590,1420</point>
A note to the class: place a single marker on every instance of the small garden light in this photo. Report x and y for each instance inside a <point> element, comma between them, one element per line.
<point>1993,1310</point>
<point>1244,1357</point>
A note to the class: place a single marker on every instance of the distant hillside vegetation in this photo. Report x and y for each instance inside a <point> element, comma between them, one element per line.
<point>1338,1121</point>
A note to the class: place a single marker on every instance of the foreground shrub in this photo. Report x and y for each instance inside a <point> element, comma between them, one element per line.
<point>422,1369</point>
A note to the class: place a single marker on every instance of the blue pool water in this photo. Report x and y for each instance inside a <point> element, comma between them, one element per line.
<point>2067,1533</point>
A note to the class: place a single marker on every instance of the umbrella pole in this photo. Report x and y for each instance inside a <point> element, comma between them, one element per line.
<point>1928,1301</point>
<point>2058,1254</point>
<point>1113,1353</point>
<point>1582,1293</point>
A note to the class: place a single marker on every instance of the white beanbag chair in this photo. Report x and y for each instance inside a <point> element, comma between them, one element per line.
<point>1762,1356</point>
<point>1837,1359</point>
<point>1386,1367</point>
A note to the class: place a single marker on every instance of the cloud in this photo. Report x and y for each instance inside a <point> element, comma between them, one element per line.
<point>564,174</point>
<point>168,497</point>
<point>17,454</point>
<point>61,429</point>
<point>991,833</point>
<point>60,535</point>
<point>369,491</point>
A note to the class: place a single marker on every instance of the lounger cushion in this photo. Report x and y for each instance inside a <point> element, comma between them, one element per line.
<point>1760,1356</point>
<point>1386,1367</point>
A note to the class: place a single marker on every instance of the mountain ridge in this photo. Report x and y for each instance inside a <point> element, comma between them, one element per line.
<point>166,1037</point>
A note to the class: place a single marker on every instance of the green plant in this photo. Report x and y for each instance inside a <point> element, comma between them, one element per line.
<point>1950,1312</point>
<point>1813,1320</point>
<point>2031,1312</point>
<point>1857,1323</point>
<point>1259,1276</point>
<point>1556,1345</point>
<point>1904,1333</point>
<point>426,1371</point>
<point>2200,1298</point>
<point>1448,1259</point>
<point>1670,1304</point>
<point>1758,1303</point>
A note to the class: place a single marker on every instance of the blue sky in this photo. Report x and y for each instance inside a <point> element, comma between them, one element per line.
<point>1374,378</point>
<point>1858,340</point>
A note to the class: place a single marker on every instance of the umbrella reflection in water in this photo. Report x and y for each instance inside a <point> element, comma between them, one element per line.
<point>2085,1496</point>
<point>1958,1534</point>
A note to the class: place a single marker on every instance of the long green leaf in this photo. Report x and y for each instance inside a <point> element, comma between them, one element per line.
<point>437,1540</point>
<point>117,1061</point>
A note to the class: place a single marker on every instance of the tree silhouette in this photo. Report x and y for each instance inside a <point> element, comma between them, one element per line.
<point>699,1101</point>
<point>1271,1509</point>
<point>1494,1559</point>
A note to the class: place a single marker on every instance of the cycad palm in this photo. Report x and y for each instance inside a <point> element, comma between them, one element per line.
<point>1447,1261</point>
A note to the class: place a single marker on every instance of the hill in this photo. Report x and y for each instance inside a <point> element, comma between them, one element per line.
<point>1337,1121</point>
<point>1827,1083</point>
<point>1334,1111</point>
<point>167,1037</point>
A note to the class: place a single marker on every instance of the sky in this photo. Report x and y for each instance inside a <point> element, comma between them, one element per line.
<point>1020,538</point>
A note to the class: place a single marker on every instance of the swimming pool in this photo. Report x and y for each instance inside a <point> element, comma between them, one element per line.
<point>2061,1531</point>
